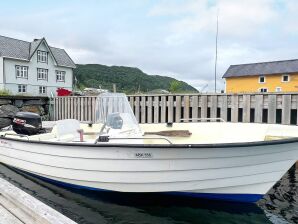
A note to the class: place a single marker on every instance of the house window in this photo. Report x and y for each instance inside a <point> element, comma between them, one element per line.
<point>42,74</point>
<point>22,88</point>
<point>42,90</point>
<point>22,72</point>
<point>60,76</point>
<point>285,78</point>
<point>262,79</point>
<point>263,90</point>
<point>42,56</point>
<point>278,89</point>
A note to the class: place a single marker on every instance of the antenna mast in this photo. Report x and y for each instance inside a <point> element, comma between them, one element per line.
<point>215,64</point>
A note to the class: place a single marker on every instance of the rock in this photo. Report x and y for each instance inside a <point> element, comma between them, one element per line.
<point>18,103</point>
<point>4,122</point>
<point>33,108</point>
<point>8,111</point>
<point>35,102</point>
<point>45,117</point>
<point>5,101</point>
<point>46,109</point>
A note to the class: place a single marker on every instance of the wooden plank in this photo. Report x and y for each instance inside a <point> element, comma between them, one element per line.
<point>178,109</point>
<point>170,109</point>
<point>137,108</point>
<point>224,107</point>
<point>80,109</point>
<point>94,109</point>
<point>68,108</point>
<point>131,102</point>
<point>195,107</point>
<point>63,107</point>
<point>25,208</point>
<point>259,105</point>
<point>296,96</point>
<point>75,111</point>
<point>86,108</point>
<point>143,109</point>
<point>186,108</point>
<point>234,109</point>
<point>55,109</point>
<point>204,106</point>
<point>163,109</point>
<point>156,109</point>
<point>286,109</point>
<point>213,108</point>
<point>149,110</point>
<point>89,109</point>
<point>59,108</point>
<point>272,109</point>
<point>246,108</point>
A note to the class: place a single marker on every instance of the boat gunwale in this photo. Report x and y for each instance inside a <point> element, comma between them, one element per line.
<point>186,146</point>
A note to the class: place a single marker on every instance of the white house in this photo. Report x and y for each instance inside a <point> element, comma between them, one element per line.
<point>34,68</point>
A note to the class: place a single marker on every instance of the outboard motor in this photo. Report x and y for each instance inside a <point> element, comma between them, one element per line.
<point>27,123</point>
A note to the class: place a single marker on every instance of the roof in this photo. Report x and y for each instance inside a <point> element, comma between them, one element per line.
<point>24,50</point>
<point>263,68</point>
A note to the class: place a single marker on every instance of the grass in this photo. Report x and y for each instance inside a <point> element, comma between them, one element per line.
<point>5,92</point>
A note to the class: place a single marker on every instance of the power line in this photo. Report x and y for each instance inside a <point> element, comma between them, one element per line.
<point>215,64</point>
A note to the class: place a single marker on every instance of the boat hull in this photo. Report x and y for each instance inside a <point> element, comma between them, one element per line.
<point>238,172</point>
<point>249,198</point>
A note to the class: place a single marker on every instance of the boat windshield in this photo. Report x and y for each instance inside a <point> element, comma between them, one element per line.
<point>113,110</point>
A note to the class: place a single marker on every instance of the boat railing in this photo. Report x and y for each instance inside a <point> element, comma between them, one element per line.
<point>138,138</point>
<point>18,135</point>
<point>203,119</point>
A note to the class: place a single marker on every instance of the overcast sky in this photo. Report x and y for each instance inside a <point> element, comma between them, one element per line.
<point>166,37</point>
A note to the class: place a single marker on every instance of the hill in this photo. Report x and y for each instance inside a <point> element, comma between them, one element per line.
<point>127,79</point>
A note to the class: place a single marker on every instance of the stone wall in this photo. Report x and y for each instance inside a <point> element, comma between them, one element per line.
<point>10,105</point>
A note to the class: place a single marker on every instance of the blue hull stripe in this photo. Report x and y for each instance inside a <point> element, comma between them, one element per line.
<point>249,198</point>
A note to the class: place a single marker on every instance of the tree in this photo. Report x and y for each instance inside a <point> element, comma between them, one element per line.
<point>175,86</point>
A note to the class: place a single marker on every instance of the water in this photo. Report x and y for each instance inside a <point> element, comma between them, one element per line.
<point>279,206</point>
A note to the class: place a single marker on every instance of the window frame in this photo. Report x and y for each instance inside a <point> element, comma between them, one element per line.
<point>42,90</point>
<point>22,71</point>
<point>23,88</point>
<point>62,74</point>
<point>285,75</point>
<point>262,76</point>
<point>41,55</point>
<point>44,72</point>
<point>278,88</point>
<point>263,88</point>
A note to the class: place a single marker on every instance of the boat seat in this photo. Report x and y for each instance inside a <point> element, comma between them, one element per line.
<point>67,130</point>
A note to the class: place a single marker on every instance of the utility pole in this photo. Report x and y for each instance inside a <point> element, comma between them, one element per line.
<point>215,64</point>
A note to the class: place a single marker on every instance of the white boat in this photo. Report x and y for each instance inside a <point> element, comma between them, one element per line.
<point>217,160</point>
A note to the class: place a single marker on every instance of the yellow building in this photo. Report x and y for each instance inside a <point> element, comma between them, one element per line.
<point>276,76</point>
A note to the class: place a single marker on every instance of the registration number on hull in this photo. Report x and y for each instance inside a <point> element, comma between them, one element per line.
<point>143,155</point>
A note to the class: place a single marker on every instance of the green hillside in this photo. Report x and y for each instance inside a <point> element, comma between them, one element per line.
<point>127,79</point>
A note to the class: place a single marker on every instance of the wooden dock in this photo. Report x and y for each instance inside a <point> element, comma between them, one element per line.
<point>257,107</point>
<point>18,207</point>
